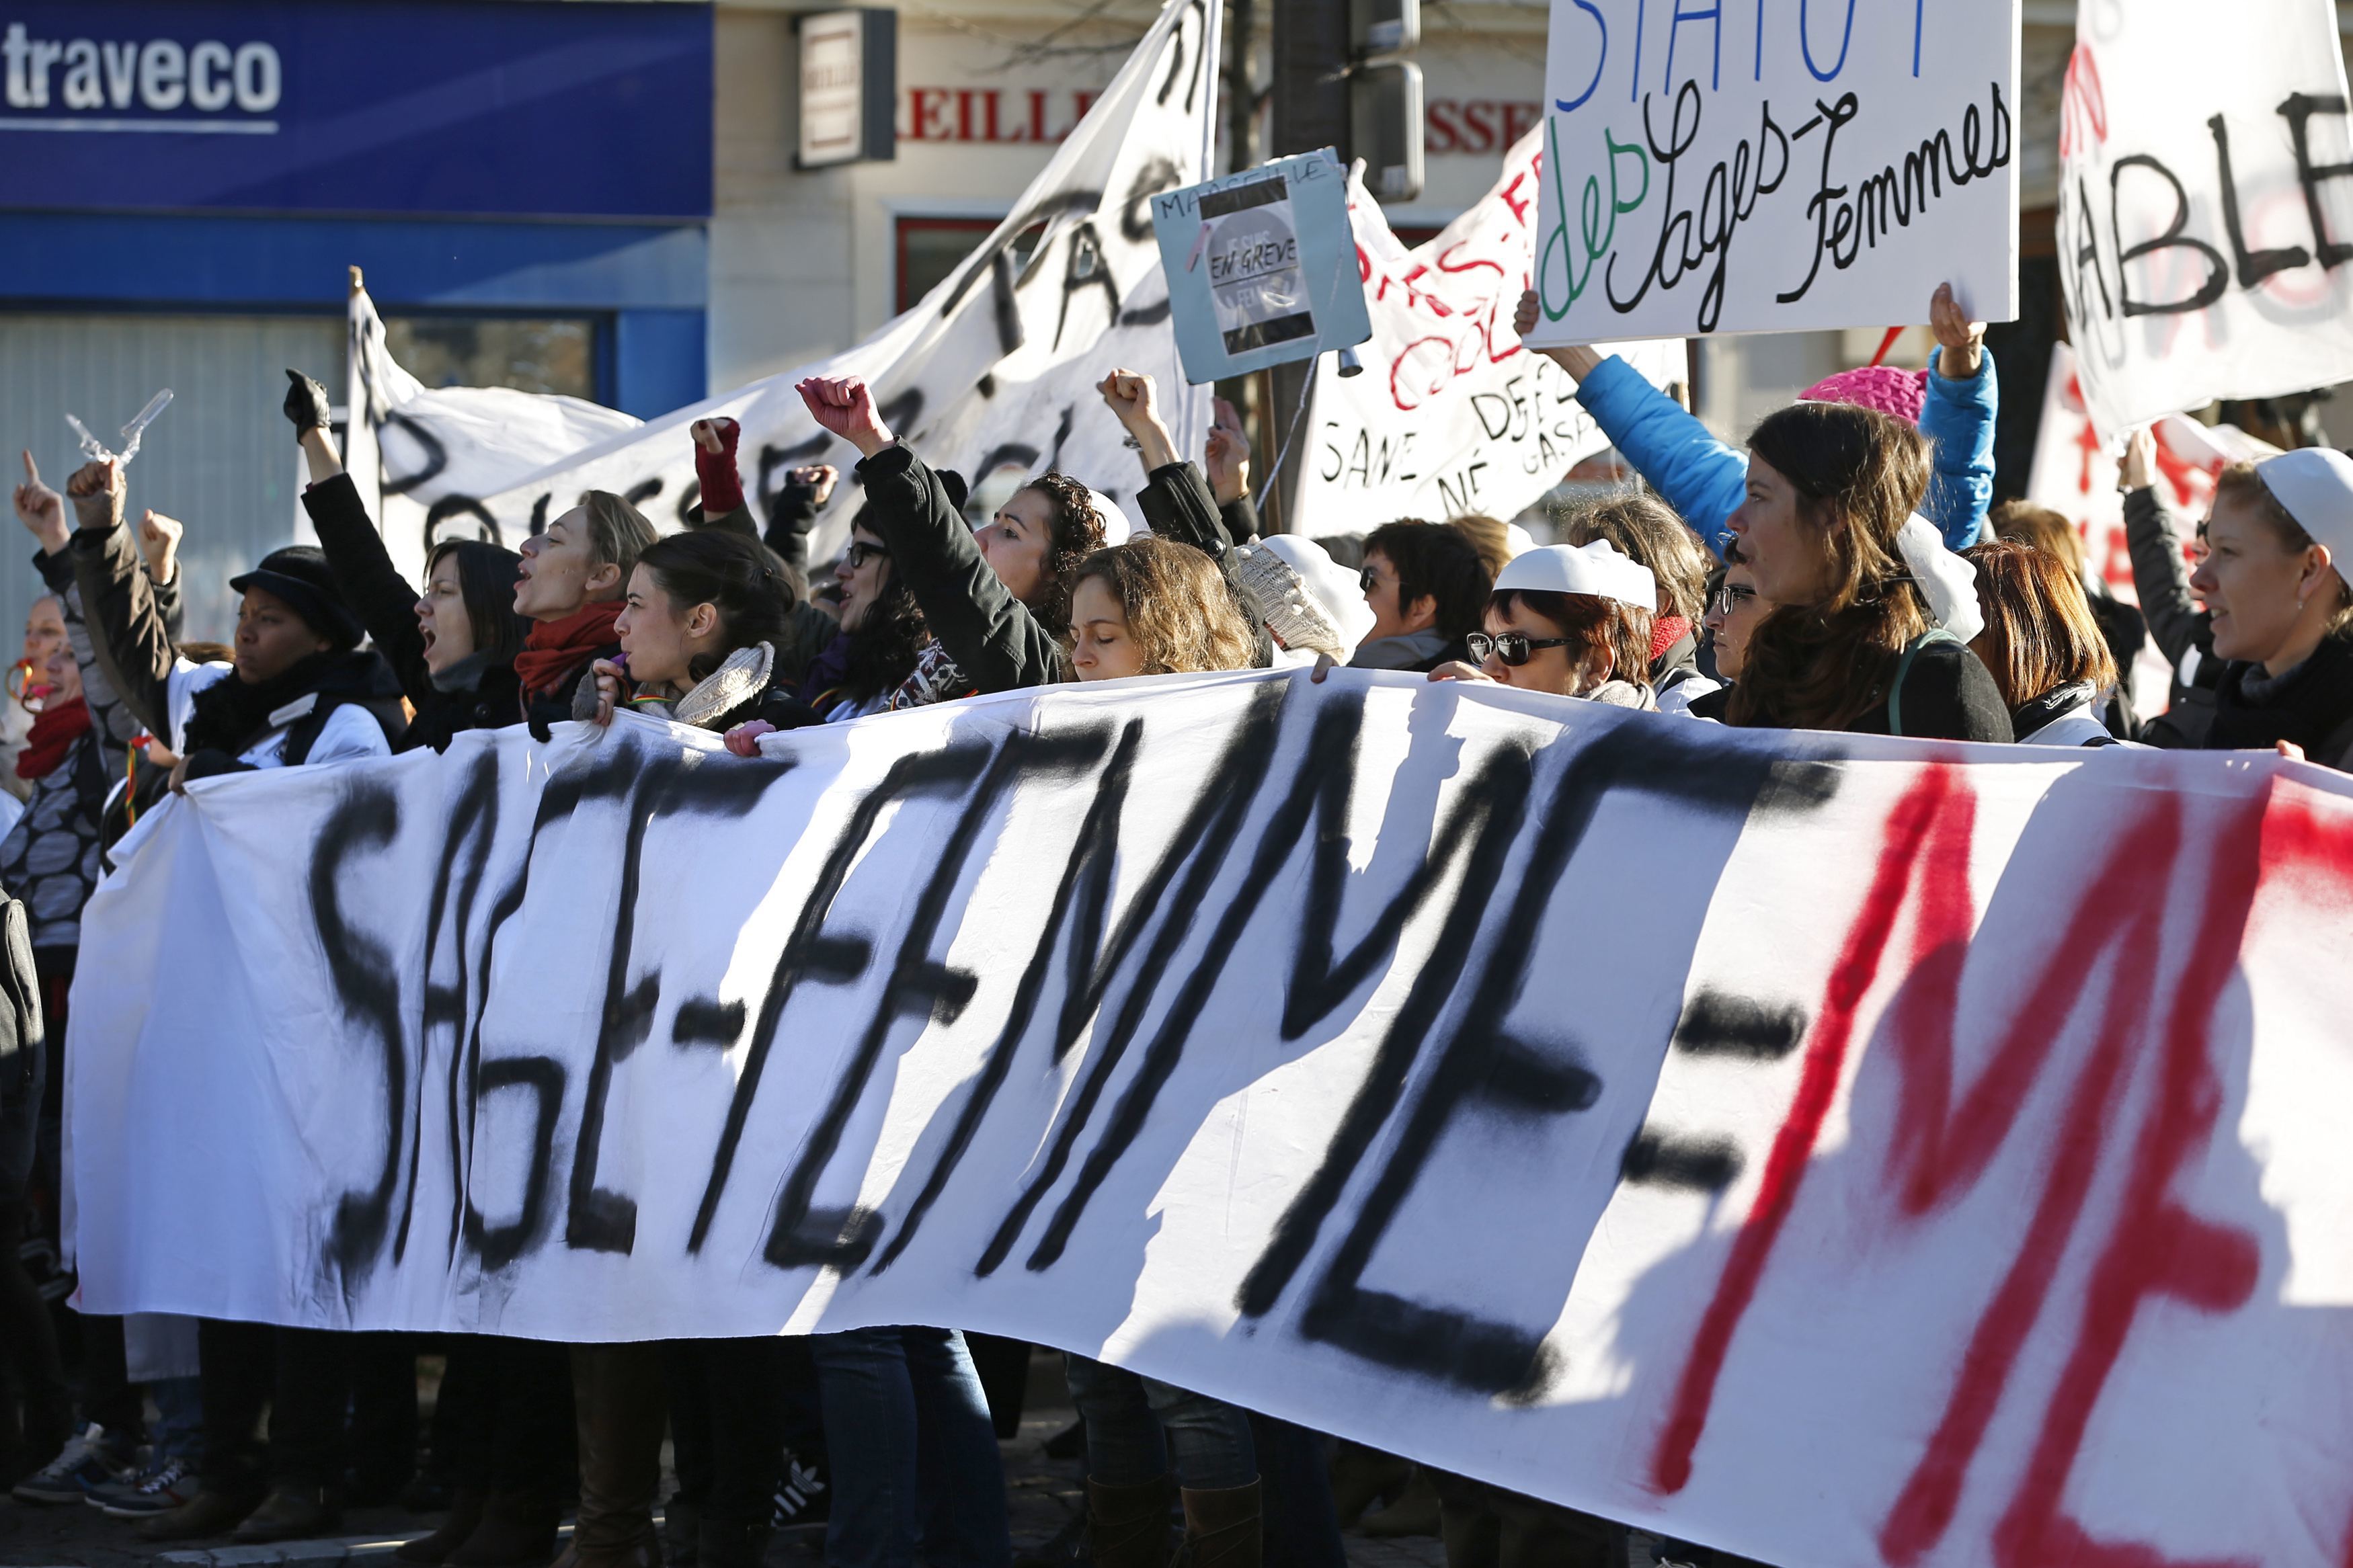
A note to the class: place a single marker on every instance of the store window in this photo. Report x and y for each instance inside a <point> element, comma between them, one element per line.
<point>930,248</point>
<point>528,354</point>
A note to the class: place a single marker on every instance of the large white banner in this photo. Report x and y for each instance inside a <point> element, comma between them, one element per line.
<point>1740,168</point>
<point>993,373</point>
<point>1449,415</point>
<point>2204,216</point>
<point>1845,1151</point>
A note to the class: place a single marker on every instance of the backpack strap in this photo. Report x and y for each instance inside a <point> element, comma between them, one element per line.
<point>1903,668</point>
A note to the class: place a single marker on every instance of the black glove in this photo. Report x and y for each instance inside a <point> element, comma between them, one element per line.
<point>306,404</point>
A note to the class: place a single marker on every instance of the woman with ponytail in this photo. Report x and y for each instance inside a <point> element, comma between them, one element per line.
<point>699,631</point>
<point>1849,644</point>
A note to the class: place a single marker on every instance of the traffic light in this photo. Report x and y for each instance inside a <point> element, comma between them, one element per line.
<point>1385,108</point>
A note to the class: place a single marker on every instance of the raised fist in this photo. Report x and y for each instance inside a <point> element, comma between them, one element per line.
<point>844,406</point>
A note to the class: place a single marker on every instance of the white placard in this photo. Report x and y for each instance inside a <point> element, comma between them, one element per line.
<point>1848,1152</point>
<point>1449,413</point>
<point>1776,167</point>
<point>2205,213</point>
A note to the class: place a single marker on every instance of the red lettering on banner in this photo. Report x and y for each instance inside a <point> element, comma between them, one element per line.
<point>963,114</point>
<point>983,115</point>
<point>1512,199</point>
<point>1909,827</point>
<point>1446,262</point>
<point>2157,1249</point>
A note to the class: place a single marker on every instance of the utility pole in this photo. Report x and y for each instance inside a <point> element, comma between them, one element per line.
<point>1311,110</point>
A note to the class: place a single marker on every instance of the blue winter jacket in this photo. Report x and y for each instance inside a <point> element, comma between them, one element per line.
<point>1705,480</point>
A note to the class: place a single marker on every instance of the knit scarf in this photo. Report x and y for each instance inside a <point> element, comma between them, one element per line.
<point>1665,632</point>
<point>556,649</point>
<point>53,735</point>
<point>229,715</point>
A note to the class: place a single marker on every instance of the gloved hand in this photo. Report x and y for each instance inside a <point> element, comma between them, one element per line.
<point>306,404</point>
<point>714,465</point>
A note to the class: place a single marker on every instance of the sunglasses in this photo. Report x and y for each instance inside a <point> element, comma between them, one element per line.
<point>859,553</point>
<point>1731,597</point>
<point>1511,647</point>
<point>1368,580</point>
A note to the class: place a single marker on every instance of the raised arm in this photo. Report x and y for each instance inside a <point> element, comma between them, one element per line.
<point>1178,500</point>
<point>387,601</point>
<point>1964,396</point>
<point>1703,479</point>
<point>129,640</point>
<point>991,635</point>
<point>793,516</point>
<point>2160,576</point>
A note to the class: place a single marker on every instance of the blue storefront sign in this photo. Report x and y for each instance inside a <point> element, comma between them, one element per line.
<point>513,108</point>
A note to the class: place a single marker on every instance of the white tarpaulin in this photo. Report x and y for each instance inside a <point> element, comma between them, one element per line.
<point>2204,219</point>
<point>1845,1151</point>
<point>1449,415</point>
<point>1776,168</point>
<point>993,373</point>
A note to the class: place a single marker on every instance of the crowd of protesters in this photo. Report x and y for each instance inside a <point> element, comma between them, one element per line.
<point>1845,571</point>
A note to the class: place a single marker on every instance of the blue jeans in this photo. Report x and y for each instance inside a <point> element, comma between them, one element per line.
<point>1135,1427</point>
<point>913,1456</point>
<point>178,1432</point>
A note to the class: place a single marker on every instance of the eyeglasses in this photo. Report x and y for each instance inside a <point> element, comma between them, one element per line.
<point>859,553</point>
<point>1731,597</point>
<point>1367,580</point>
<point>1511,646</point>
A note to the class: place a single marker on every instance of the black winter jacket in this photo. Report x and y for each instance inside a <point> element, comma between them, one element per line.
<point>2312,706</point>
<point>386,604</point>
<point>2161,582</point>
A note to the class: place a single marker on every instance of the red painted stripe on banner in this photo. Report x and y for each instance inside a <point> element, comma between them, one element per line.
<point>1909,825</point>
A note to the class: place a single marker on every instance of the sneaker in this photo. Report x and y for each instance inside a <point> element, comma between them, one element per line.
<point>88,1462</point>
<point>803,1499</point>
<point>166,1485</point>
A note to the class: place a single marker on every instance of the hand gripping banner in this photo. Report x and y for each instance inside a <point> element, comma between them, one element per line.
<point>1845,1151</point>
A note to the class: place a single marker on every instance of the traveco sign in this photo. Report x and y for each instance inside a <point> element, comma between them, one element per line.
<point>396,106</point>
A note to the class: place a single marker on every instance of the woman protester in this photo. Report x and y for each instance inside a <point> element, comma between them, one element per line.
<point>2278,605</point>
<point>1849,643</point>
<point>1572,621</point>
<point>2182,631</point>
<point>2122,628</point>
<point>453,647</point>
<point>569,587</point>
<point>1733,609</point>
<point>700,628</point>
<point>1425,584</point>
<point>1646,532</point>
<point>997,598</point>
<point>1153,608</point>
<point>298,692</point>
<point>2042,646</point>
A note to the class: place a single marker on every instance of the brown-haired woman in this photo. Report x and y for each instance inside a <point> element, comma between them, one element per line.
<point>1153,608</point>
<point>998,597</point>
<point>2281,611</point>
<point>2042,646</point>
<point>570,587</point>
<point>1849,645</point>
<point>1647,531</point>
<point>1572,622</point>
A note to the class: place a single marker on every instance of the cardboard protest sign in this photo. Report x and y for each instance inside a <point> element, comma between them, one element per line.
<point>2205,213</point>
<point>1737,168</point>
<point>1261,268</point>
<point>1939,1164</point>
<point>1451,414</point>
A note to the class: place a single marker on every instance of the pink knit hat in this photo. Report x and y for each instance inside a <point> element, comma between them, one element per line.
<point>1901,394</point>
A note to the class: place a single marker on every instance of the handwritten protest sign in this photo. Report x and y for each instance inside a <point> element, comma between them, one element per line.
<point>1735,168</point>
<point>2205,217</point>
<point>1451,414</point>
<point>1260,266</point>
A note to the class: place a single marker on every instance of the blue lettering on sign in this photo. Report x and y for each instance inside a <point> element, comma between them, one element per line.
<point>1806,41</point>
<point>384,106</point>
<point>1713,13</point>
<point>1601,59</point>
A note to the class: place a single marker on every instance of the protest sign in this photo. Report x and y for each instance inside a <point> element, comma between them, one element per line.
<point>2204,215</point>
<point>1450,415</point>
<point>1261,268</point>
<point>993,373</point>
<point>1745,168</point>
<point>1939,1164</point>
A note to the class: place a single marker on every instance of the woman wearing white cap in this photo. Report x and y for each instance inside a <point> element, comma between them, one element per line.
<point>2281,611</point>
<point>1574,621</point>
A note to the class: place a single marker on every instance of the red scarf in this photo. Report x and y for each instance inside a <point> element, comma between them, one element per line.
<point>556,649</point>
<point>1665,632</point>
<point>53,735</point>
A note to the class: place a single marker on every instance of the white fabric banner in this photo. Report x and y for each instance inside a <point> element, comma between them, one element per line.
<point>992,375</point>
<point>1824,1147</point>
<point>1727,168</point>
<point>2204,216</point>
<point>1449,415</point>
